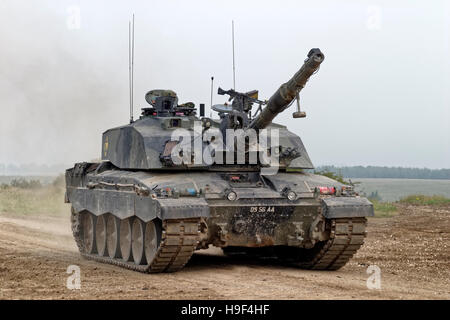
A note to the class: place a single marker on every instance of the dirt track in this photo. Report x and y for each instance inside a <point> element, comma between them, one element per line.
<point>412,250</point>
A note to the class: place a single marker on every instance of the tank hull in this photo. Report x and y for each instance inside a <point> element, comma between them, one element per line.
<point>242,212</point>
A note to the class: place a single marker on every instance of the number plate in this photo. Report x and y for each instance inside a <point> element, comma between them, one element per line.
<point>260,219</point>
<point>262,209</point>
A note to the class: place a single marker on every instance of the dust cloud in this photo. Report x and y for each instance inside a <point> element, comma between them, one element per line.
<point>58,90</point>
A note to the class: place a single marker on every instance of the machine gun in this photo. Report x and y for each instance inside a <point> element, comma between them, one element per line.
<point>244,101</point>
<point>238,115</point>
<point>289,91</point>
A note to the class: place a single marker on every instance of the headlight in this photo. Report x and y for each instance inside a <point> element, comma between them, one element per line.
<point>291,195</point>
<point>232,196</point>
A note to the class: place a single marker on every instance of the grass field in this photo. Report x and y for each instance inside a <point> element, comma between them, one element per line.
<point>47,200</point>
<point>422,200</point>
<point>384,209</point>
<point>391,190</point>
<point>32,196</point>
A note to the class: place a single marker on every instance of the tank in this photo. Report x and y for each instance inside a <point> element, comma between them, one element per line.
<point>172,182</point>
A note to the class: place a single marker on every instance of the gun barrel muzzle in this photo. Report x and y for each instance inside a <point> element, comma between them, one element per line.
<point>282,98</point>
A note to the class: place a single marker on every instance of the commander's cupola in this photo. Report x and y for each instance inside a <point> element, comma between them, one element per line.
<point>164,103</point>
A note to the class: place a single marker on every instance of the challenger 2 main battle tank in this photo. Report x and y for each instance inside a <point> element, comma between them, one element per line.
<point>171,183</point>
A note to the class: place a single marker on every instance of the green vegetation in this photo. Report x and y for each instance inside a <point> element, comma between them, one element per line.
<point>330,174</point>
<point>30,197</point>
<point>25,184</point>
<point>46,200</point>
<point>389,209</point>
<point>384,209</point>
<point>333,175</point>
<point>422,200</point>
<point>388,172</point>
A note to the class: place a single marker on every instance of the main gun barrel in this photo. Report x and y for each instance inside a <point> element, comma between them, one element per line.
<point>282,98</point>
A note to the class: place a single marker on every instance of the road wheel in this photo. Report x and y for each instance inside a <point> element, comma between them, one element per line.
<point>137,241</point>
<point>112,236</point>
<point>152,239</point>
<point>125,239</point>
<point>89,233</point>
<point>100,235</point>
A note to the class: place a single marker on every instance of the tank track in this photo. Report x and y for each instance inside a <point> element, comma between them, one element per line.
<point>346,237</point>
<point>179,240</point>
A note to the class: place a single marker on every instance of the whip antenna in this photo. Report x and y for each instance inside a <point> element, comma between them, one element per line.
<point>131,64</point>
<point>212,89</point>
<point>234,64</point>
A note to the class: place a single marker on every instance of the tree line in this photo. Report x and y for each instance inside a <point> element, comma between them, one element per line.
<point>387,172</point>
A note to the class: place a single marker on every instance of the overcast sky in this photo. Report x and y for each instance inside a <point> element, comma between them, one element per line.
<point>381,96</point>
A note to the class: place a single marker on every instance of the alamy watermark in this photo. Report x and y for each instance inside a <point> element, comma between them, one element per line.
<point>237,146</point>
<point>74,280</point>
<point>73,21</point>
<point>374,280</point>
<point>374,18</point>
